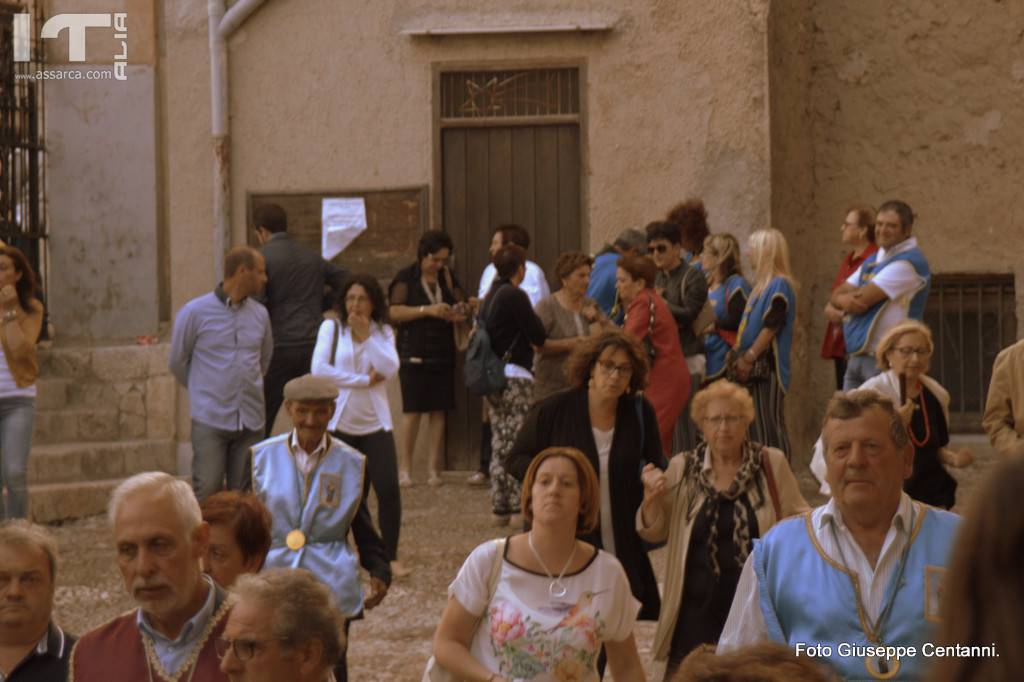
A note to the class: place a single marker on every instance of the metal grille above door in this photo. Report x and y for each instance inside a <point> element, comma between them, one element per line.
<point>482,95</point>
<point>972,318</point>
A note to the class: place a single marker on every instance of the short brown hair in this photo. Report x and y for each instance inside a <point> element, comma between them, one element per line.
<point>982,594</point>
<point>246,516</point>
<point>590,489</point>
<point>852,404</point>
<point>239,257</point>
<point>580,365</point>
<point>692,218</point>
<point>508,260</point>
<point>765,662</point>
<point>865,218</point>
<point>639,267</point>
<point>22,534</point>
<point>569,262</point>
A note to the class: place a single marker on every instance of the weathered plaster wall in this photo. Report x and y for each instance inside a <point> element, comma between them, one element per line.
<point>328,94</point>
<point>920,101</point>
<point>102,183</point>
<point>792,194</point>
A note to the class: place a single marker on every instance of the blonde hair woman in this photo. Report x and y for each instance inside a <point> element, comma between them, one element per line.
<point>728,291</point>
<point>923,403</point>
<point>760,358</point>
<point>710,505</point>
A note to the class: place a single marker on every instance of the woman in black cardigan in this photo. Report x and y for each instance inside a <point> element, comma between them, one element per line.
<point>605,418</point>
<point>514,330</point>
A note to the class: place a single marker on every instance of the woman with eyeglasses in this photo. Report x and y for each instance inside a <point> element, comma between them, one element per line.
<point>649,320</point>
<point>604,417</point>
<point>426,301</point>
<point>728,291</point>
<point>924,405</point>
<point>710,505</point>
<point>357,351</point>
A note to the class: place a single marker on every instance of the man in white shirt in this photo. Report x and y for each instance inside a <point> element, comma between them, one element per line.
<point>859,573</point>
<point>889,287</point>
<point>535,284</point>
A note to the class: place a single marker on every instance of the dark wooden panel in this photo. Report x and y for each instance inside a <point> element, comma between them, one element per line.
<point>395,219</point>
<point>453,163</point>
<point>500,177</point>
<point>478,213</point>
<point>523,188</point>
<point>568,188</point>
<point>545,246</point>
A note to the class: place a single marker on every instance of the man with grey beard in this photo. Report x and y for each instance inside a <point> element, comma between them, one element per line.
<point>159,536</point>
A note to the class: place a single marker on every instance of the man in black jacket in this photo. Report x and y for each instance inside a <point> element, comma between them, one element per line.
<point>32,647</point>
<point>297,284</point>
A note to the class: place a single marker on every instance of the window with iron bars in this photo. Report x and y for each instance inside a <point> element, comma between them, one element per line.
<point>972,318</point>
<point>22,166</point>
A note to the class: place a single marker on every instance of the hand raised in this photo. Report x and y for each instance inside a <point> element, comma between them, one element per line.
<point>654,480</point>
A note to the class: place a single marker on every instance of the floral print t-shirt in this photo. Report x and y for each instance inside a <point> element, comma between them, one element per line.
<point>526,634</point>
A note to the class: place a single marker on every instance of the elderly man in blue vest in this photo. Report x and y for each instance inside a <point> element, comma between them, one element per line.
<point>313,486</point>
<point>857,581</point>
<point>890,285</point>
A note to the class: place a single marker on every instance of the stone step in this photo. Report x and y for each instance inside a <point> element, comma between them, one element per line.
<point>70,462</point>
<point>125,362</point>
<point>51,502</point>
<point>51,393</point>
<point>77,424</point>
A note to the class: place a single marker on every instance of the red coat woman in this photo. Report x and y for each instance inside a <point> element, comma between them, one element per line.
<point>650,321</point>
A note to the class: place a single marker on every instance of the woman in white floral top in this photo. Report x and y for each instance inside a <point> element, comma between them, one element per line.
<point>556,600</point>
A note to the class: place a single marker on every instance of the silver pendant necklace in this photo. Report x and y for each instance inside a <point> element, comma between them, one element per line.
<point>557,588</point>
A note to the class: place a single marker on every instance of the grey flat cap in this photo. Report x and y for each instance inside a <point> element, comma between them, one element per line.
<point>309,387</point>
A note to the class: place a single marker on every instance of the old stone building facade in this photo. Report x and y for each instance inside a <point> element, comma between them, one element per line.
<point>775,113</point>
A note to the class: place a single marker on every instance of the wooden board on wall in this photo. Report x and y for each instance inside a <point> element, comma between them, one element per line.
<point>395,219</point>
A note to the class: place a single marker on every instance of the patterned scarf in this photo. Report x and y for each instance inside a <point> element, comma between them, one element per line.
<point>748,481</point>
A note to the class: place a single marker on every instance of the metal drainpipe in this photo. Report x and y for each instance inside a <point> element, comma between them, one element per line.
<point>222,24</point>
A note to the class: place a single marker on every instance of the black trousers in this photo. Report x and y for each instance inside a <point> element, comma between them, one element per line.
<point>286,363</point>
<point>840,372</point>
<point>382,473</point>
<point>341,667</point>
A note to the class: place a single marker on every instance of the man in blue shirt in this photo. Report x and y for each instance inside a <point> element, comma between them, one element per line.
<point>602,275</point>
<point>220,350</point>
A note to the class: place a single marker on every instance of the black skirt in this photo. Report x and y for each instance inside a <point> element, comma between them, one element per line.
<point>427,387</point>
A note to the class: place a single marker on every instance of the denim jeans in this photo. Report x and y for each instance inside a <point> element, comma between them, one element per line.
<point>17,415</point>
<point>860,368</point>
<point>216,453</point>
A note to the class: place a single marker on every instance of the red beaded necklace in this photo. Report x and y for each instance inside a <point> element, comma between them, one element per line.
<point>927,426</point>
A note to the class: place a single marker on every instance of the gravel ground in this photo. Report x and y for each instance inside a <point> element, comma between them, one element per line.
<point>440,527</point>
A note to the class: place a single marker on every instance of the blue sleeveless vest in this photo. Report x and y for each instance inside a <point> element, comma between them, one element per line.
<point>753,322</point>
<point>322,508</point>
<point>808,598</point>
<point>857,328</point>
<point>715,347</point>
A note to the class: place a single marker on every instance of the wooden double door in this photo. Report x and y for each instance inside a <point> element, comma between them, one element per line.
<point>528,175</point>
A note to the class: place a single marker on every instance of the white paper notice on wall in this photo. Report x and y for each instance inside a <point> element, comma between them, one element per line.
<point>342,220</point>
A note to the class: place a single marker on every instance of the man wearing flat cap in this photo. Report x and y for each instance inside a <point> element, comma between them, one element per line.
<point>313,486</point>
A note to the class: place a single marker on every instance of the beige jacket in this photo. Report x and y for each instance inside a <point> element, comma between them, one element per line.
<point>672,524</point>
<point>1004,410</point>
<point>20,348</point>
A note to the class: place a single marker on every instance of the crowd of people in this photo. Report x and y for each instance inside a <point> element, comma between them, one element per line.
<point>642,406</point>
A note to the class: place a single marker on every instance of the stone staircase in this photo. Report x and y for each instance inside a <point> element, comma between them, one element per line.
<point>102,414</point>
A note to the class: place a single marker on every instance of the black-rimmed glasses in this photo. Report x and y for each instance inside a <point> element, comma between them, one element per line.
<point>244,649</point>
